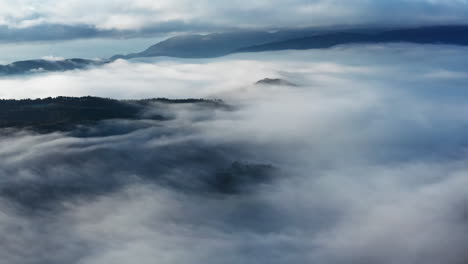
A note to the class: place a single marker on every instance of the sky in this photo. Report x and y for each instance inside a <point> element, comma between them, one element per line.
<point>27,20</point>
<point>365,157</point>
<point>32,29</point>
<point>368,153</point>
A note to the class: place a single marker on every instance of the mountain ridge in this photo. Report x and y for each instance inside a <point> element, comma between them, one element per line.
<point>222,44</point>
<point>451,35</point>
<point>43,65</point>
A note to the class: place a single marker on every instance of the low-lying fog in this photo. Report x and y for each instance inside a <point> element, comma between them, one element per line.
<point>364,161</point>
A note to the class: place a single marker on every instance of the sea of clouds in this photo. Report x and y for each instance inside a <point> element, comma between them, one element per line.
<point>366,157</point>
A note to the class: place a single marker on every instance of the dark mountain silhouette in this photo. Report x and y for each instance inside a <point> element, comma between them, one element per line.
<point>216,44</point>
<point>269,81</point>
<point>64,113</point>
<point>33,66</point>
<point>454,35</point>
<point>221,44</point>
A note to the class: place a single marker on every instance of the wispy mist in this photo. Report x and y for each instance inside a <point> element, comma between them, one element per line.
<point>364,161</point>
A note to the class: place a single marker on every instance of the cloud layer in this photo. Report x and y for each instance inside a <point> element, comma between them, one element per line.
<point>368,157</point>
<point>182,15</point>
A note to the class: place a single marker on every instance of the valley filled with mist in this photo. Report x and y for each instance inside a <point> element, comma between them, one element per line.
<point>233,132</point>
<point>355,154</point>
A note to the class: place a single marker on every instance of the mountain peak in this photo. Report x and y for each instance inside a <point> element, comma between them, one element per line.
<point>275,81</point>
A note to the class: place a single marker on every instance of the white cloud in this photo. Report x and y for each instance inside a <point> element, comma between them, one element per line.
<point>124,14</point>
<point>52,58</point>
<point>371,152</point>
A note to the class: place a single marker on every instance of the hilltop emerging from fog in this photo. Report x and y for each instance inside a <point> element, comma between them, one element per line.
<point>63,113</point>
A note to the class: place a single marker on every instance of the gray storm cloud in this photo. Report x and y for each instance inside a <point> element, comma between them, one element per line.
<point>364,161</point>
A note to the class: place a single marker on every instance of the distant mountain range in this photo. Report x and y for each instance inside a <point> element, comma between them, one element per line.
<point>216,44</point>
<point>36,66</point>
<point>221,44</point>
<point>453,35</point>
